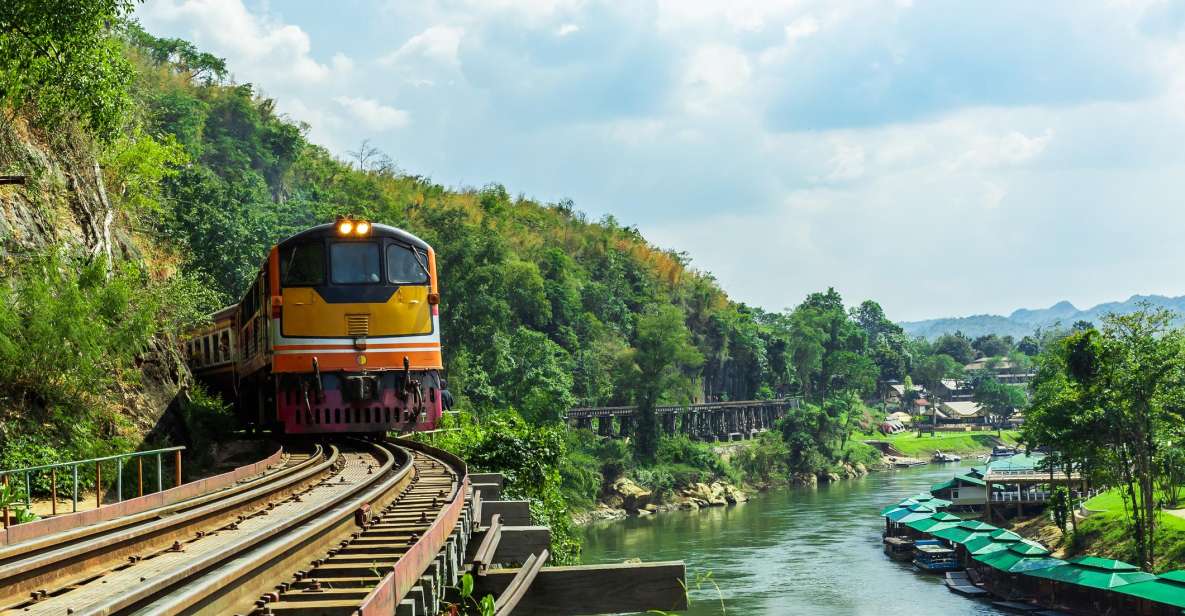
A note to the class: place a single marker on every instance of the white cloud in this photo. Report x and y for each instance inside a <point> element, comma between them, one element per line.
<point>906,149</point>
<point>713,74</point>
<point>737,15</point>
<point>437,43</point>
<point>372,114</point>
<point>342,63</point>
<point>257,45</point>
<point>847,163</point>
<point>801,28</point>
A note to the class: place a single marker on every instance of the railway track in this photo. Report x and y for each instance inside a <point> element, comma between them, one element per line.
<point>344,529</point>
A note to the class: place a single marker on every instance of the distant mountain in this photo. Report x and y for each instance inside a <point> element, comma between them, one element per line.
<point>1022,322</point>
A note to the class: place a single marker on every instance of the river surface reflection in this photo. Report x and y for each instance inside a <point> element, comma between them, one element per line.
<point>793,551</point>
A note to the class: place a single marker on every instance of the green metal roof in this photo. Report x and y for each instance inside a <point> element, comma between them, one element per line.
<point>1095,572</point>
<point>1029,548</point>
<point>984,545</point>
<point>1105,564</point>
<point>954,482</point>
<point>995,541</point>
<point>905,503</point>
<point>929,499</point>
<point>965,531</point>
<point>1018,462</point>
<point>1011,561</point>
<point>899,514</point>
<point>1175,576</point>
<point>938,521</point>
<point>1003,534</point>
<point>1164,589</point>
<point>949,483</point>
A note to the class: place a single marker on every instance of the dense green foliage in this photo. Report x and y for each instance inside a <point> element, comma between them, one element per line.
<point>71,332</point>
<point>542,309</point>
<point>58,61</point>
<point>1109,403</point>
<point>532,458</point>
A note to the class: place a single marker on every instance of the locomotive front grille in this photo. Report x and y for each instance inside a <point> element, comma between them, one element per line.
<point>358,324</point>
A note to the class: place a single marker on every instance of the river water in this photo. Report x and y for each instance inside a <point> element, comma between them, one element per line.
<point>810,552</point>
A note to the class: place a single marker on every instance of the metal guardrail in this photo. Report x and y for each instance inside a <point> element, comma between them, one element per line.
<point>28,472</point>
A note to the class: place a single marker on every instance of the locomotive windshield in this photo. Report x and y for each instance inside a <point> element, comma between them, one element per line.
<point>354,262</point>
<point>303,265</point>
<point>405,266</point>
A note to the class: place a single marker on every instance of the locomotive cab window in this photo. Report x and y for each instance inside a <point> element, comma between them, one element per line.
<point>303,265</point>
<point>354,262</point>
<point>405,266</point>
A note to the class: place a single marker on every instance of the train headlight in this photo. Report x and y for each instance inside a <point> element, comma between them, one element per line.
<point>362,228</point>
<point>345,227</point>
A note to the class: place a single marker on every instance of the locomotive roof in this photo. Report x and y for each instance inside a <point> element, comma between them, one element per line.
<point>376,230</point>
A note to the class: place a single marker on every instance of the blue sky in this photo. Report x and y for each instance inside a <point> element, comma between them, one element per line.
<point>943,158</point>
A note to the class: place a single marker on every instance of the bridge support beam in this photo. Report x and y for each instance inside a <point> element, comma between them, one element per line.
<point>605,425</point>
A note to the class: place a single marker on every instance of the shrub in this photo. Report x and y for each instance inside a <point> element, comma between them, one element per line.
<point>530,457</point>
<point>764,457</point>
<point>681,450</point>
<point>72,333</point>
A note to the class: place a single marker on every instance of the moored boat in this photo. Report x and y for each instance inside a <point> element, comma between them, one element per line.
<point>934,557</point>
<point>945,457</point>
<point>899,548</point>
<point>1003,451</point>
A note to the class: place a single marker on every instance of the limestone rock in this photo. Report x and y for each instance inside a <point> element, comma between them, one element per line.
<point>734,495</point>
<point>707,495</point>
<point>804,479</point>
<point>633,496</point>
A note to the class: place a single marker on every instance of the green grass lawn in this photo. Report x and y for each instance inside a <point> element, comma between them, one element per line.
<point>1109,534</point>
<point>924,446</point>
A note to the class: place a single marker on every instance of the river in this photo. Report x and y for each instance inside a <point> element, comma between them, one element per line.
<point>793,552</point>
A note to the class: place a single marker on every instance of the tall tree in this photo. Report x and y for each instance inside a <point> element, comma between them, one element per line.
<point>663,363</point>
<point>1112,395</point>
<point>828,348</point>
<point>998,399</point>
<point>61,59</point>
<point>955,345</point>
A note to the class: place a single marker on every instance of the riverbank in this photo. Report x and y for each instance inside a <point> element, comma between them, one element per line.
<point>790,550</point>
<point>736,480</point>
<point>1106,532</point>
<point>962,443</point>
<point>739,477</point>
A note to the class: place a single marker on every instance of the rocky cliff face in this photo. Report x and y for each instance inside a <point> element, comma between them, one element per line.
<point>64,202</point>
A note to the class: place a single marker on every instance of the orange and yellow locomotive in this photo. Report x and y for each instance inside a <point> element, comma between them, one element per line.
<point>338,332</point>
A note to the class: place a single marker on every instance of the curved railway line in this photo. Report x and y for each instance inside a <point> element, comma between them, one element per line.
<point>347,527</point>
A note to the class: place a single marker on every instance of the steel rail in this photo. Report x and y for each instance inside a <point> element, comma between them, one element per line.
<point>60,562</point>
<point>248,563</point>
<point>25,549</point>
<point>423,527</point>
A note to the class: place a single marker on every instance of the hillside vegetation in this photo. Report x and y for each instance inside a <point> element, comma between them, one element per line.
<point>156,184</point>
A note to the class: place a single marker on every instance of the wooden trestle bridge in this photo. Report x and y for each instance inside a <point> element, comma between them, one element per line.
<point>709,421</point>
